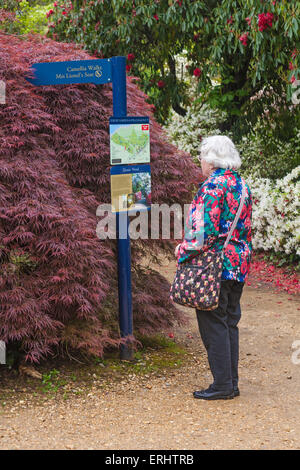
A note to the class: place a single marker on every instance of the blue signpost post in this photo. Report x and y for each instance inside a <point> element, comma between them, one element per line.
<point>124,255</point>
<point>100,71</point>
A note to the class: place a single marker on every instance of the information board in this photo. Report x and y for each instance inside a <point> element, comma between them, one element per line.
<point>130,187</point>
<point>129,140</point>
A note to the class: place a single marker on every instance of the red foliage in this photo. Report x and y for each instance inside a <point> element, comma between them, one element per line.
<point>58,283</point>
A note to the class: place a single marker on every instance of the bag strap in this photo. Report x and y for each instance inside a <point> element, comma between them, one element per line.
<point>237,216</point>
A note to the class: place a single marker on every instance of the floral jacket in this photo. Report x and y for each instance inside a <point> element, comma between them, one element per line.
<point>209,219</point>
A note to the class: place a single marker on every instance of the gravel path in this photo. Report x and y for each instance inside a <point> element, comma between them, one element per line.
<point>162,414</point>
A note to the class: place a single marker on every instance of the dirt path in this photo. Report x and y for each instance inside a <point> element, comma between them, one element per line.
<point>164,414</point>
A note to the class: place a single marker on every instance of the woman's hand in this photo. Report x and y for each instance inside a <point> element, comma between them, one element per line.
<point>176,250</point>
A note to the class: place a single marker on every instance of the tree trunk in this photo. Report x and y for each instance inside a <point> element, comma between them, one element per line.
<point>175,102</point>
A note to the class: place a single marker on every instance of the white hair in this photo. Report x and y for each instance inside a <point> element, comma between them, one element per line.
<point>220,151</point>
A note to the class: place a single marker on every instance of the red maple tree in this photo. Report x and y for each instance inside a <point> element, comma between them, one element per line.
<point>58,281</point>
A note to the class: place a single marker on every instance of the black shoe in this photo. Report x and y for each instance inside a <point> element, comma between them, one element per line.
<point>236,391</point>
<point>213,395</point>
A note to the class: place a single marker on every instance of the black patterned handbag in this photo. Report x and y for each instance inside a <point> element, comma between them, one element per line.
<point>197,282</point>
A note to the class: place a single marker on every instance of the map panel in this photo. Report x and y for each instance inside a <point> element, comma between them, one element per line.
<point>129,140</point>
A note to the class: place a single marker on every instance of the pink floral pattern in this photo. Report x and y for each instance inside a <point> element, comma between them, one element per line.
<point>209,219</point>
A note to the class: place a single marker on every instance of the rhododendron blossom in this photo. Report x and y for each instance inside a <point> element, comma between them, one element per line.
<point>49,13</point>
<point>265,20</point>
<point>197,72</point>
<point>244,39</point>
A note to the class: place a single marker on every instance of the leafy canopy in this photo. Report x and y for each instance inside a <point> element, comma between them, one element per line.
<point>230,48</point>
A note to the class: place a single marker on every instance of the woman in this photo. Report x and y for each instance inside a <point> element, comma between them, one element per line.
<point>218,197</point>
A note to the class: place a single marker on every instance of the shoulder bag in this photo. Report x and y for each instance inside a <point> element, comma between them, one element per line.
<point>197,282</point>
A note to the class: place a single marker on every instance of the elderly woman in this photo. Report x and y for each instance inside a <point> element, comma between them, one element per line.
<point>218,197</point>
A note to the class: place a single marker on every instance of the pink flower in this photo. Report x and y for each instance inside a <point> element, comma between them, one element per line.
<point>197,72</point>
<point>265,20</point>
<point>161,84</point>
<point>230,20</point>
<point>55,4</point>
<point>248,20</point>
<point>128,67</point>
<point>155,17</point>
<point>294,53</point>
<point>291,66</point>
<point>293,79</point>
<point>50,12</point>
<point>244,39</point>
<point>130,57</point>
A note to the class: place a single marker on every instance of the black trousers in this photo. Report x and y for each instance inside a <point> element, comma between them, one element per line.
<point>220,335</point>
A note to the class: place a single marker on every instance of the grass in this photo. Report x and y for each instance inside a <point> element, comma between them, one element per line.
<point>64,378</point>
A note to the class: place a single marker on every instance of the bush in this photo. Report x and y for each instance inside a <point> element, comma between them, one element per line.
<point>188,131</point>
<point>276,213</point>
<point>58,282</point>
<point>264,154</point>
<point>32,18</point>
<point>276,198</point>
<point>262,151</point>
<point>233,48</point>
<point>22,17</point>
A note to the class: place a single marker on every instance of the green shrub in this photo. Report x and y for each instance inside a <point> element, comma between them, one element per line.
<point>26,17</point>
<point>263,152</point>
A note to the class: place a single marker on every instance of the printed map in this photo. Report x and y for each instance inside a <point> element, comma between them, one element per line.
<point>129,143</point>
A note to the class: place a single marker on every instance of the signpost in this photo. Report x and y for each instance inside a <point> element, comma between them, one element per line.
<point>113,71</point>
<point>97,71</point>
